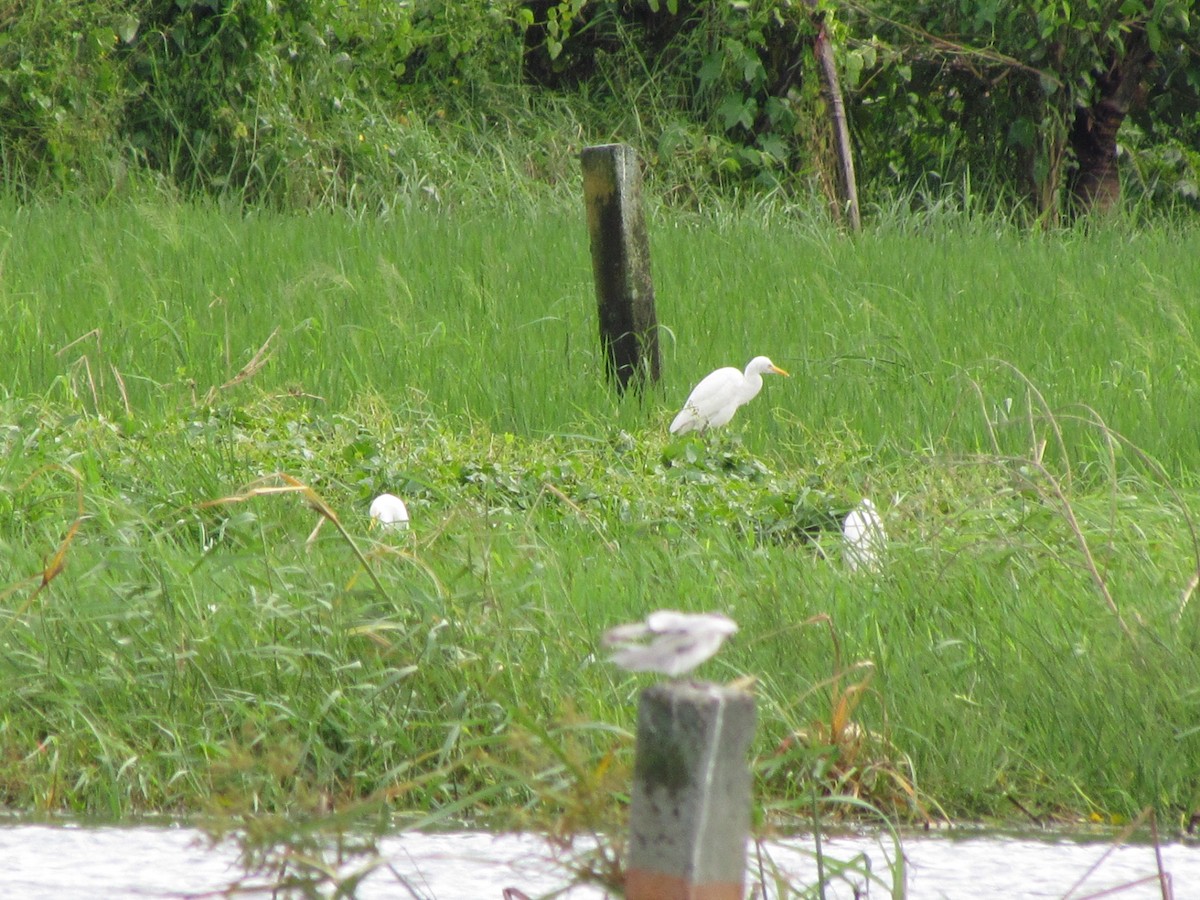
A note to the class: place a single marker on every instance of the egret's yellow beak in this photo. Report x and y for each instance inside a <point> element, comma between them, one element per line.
<point>778,371</point>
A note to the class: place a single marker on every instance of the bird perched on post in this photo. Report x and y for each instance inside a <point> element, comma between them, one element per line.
<point>716,398</point>
<point>669,642</point>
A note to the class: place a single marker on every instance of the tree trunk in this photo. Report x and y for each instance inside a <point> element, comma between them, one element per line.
<point>1096,183</point>
<point>837,116</point>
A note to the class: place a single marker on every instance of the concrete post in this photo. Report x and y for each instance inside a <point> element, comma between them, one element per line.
<point>612,191</point>
<point>690,809</point>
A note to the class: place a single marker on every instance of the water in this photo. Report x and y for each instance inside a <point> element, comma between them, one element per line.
<point>75,861</point>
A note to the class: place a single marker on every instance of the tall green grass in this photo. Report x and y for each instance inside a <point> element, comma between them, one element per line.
<point>898,337</point>
<point>183,628</point>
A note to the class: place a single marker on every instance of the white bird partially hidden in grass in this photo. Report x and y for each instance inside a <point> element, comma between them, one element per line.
<point>669,642</point>
<point>864,537</point>
<point>389,511</point>
<point>716,398</point>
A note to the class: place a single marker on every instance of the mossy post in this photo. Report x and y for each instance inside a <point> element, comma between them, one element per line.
<point>690,811</point>
<point>612,192</point>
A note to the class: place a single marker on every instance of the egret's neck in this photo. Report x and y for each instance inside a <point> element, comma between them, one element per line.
<point>751,386</point>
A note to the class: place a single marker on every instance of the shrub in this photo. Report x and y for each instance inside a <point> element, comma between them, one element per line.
<point>61,90</point>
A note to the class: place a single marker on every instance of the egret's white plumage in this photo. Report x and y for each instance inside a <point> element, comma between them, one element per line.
<point>716,398</point>
<point>669,642</point>
<point>864,537</point>
<point>389,511</point>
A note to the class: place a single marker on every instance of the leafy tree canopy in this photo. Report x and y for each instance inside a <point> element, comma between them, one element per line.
<point>1042,102</point>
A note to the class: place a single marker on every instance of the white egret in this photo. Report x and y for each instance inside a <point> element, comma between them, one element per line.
<point>669,642</point>
<point>864,536</point>
<point>716,398</point>
<point>389,511</point>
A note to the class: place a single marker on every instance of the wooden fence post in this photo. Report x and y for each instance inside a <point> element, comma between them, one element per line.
<point>612,190</point>
<point>690,808</point>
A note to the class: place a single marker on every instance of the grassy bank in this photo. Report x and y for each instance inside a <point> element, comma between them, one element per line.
<point>177,633</point>
<point>909,339</point>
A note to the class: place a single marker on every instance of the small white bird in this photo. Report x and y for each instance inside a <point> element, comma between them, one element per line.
<point>864,536</point>
<point>716,398</point>
<point>389,511</point>
<point>669,642</point>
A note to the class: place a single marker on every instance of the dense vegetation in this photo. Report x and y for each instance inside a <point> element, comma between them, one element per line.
<point>357,105</point>
<point>197,391</point>
<point>261,262</point>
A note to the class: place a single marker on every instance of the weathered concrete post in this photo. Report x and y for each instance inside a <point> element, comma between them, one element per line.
<point>612,191</point>
<point>690,809</point>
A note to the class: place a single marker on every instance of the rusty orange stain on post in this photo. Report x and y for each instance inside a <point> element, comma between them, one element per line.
<point>643,885</point>
<point>689,816</point>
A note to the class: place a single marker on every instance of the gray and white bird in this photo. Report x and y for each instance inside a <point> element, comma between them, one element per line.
<point>672,643</point>
<point>717,397</point>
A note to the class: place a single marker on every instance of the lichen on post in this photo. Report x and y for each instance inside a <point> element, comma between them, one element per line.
<point>690,806</point>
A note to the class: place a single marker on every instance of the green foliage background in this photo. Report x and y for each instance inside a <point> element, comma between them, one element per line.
<point>177,635</point>
<point>198,389</point>
<point>354,105</point>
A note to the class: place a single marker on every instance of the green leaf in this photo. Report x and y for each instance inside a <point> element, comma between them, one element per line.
<point>103,38</point>
<point>753,72</point>
<point>671,139</point>
<point>853,66</point>
<point>127,28</point>
<point>774,146</point>
<point>710,70</point>
<point>736,110</point>
<point>1154,36</point>
<point>1021,132</point>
